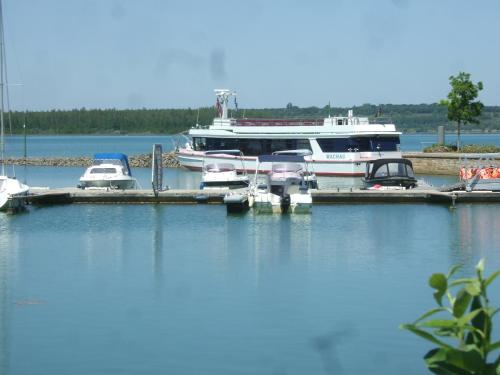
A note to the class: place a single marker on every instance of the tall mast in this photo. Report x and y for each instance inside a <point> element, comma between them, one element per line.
<point>2,125</point>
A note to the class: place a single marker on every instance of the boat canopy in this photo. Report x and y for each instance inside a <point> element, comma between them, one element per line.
<point>281,159</point>
<point>388,167</point>
<point>114,156</point>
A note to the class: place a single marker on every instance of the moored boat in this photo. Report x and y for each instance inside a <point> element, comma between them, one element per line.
<point>109,170</point>
<point>224,175</point>
<point>339,145</point>
<point>389,173</point>
<point>284,188</point>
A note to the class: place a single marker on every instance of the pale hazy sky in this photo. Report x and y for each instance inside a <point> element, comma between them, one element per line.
<point>172,54</point>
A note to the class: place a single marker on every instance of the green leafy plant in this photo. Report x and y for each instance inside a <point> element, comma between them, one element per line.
<point>462,332</point>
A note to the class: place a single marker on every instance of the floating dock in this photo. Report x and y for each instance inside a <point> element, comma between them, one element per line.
<point>177,196</point>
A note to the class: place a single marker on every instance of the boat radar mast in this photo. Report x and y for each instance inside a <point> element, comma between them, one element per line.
<point>223,96</point>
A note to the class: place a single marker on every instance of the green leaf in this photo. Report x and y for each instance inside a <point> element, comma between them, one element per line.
<point>431,312</point>
<point>461,281</point>
<point>453,269</point>
<point>470,360</point>
<point>438,323</point>
<point>473,288</point>
<point>438,281</point>
<point>425,335</point>
<point>467,318</point>
<point>493,312</point>
<point>461,303</point>
<point>494,346</point>
<point>492,277</point>
<point>437,362</point>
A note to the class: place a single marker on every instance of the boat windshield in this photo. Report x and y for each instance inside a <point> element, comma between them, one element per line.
<point>219,167</point>
<point>102,170</point>
<point>107,161</point>
<point>394,170</point>
<point>286,167</point>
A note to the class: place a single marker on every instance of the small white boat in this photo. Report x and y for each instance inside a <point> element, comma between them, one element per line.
<point>284,189</point>
<point>12,194</point>
<point>224,175</point>
<point>309,175</point>
<point>109,170</point>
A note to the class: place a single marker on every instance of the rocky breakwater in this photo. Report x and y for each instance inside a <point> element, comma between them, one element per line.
<point>136,161</point>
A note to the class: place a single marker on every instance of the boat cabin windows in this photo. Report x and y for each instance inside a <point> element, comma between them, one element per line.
<point>102,170</point>
<point>250,147</point>
<point>394,169</point>
<point>359,144</point>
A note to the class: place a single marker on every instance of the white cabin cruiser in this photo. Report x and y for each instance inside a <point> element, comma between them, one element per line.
<point>109,170</point>
<point>339,145</point>
<point>284,189</point>
<point>224,175</point>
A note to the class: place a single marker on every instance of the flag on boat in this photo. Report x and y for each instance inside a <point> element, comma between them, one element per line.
<point>219,107</point>
<point>235,103</point>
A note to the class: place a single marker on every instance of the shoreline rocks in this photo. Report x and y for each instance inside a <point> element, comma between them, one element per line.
<point>135,161</point>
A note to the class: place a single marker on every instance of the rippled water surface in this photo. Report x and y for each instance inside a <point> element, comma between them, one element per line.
<point>187,289</point>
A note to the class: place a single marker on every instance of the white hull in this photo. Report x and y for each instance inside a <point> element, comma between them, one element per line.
<point>345,164</point>
<point>271,203</point>
<point>121,184</point>
<point>12,194</point>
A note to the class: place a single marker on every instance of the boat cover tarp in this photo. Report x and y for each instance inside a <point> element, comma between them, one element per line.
<point>281,158</point>
<point>114,156</point>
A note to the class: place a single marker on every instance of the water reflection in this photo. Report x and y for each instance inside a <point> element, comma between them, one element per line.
<point>476,233</point>
<point>279,240</point>
<point>105,235</point>
<point>8,245</point>
<point>157,215</point>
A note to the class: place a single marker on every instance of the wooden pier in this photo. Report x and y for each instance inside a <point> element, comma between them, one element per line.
<point>177,196</point>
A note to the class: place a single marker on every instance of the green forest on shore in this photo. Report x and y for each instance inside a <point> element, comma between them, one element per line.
<point>409,118</point>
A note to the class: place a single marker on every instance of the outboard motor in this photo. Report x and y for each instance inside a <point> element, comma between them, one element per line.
<point>285,203</point>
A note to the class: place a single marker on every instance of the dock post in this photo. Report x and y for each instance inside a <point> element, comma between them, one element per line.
<point>440,135</point>
<point>157,169</point>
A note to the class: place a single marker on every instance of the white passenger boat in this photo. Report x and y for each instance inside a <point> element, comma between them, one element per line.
<point>109,170</point>
<point>340,146</point>
<point>224,175</point>
<point>284,188</point>
<point>12,192</point>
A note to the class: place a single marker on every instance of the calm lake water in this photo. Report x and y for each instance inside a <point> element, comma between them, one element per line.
<point>188,289</point>
<point>170,289</point>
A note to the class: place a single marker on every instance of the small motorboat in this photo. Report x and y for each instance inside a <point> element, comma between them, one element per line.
<point>393,173</point>
<point>13,194</point>
<point>224,175</point>
<point>309,175</point>
<point>284,189</point>
<point>109,170</point>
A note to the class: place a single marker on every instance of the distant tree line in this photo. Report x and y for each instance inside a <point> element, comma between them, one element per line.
<point>407,117</point>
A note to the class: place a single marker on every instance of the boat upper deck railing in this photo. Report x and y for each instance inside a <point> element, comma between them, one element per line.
<point>278,122</point>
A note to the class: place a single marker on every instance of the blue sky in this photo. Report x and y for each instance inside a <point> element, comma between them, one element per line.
<point>172,54</point>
